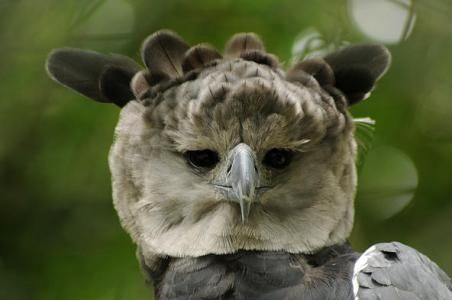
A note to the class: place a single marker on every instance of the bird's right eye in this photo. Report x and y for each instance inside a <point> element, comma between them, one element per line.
<point>205,159</point>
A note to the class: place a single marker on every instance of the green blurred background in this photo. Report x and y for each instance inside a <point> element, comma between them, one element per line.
<point>59,235</point>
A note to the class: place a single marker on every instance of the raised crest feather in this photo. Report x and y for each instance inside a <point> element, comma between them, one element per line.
<point>84,70</point>
<point>261,58</point>
<point>317,68</point>
<point>374,58</point>
<point>243,42</point>
<point>357,68</point>
<point>199,56</point>
<point>348,75</point>
<point>139,84</point>
<point>353,70</point>
<point>163,52</point>
<point>114,85</point>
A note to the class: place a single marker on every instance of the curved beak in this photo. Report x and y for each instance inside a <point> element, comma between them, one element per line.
<point>241,178</point>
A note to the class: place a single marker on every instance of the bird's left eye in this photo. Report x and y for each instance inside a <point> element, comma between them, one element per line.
<point>206,159</point>
<point>278,158</point>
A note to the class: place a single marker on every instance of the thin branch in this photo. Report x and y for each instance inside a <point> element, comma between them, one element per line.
<point>86,12</point>
<point>409,22</point>
<point>103,37</point>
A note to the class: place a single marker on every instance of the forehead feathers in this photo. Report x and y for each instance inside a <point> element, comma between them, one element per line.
<point>242,101</point>
<point>244,97</point>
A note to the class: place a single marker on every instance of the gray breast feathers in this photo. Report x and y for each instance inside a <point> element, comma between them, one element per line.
<point>258,275</point>
<point>396,271</point>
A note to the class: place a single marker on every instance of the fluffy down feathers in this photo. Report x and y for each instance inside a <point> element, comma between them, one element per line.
<point>179,213</point>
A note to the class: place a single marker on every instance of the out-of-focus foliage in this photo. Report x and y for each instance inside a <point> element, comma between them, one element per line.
<point>59,235</point>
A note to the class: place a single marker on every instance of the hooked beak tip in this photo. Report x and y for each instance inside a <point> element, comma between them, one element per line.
<point>245,209</point>
<point>241,178</point>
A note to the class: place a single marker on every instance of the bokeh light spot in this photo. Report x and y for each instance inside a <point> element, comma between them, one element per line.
<point>387,182</point>
<point>385,21</point>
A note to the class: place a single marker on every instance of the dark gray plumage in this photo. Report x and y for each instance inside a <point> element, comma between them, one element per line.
<point>236,179</point>
<point>396,271</point>
<point>325,275</point>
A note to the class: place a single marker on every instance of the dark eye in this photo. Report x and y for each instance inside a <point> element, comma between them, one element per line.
<point>278,158</point>
<point>202,158</point>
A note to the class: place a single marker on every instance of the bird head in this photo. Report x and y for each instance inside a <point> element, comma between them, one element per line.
<point>218,153</point>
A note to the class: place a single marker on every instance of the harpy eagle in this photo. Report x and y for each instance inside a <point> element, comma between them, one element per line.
<point>236,179</point>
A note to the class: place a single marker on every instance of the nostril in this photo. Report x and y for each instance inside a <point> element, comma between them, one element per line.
<point>229,168</point>
<point>255,169</point>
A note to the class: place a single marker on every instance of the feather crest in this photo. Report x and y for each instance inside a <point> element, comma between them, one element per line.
<point>358,68</point>
<point>140,85</point>
<point>374,58</point>
<point>84,70</point>
<point>260,57</point>
<point>163,52</point>
<point>114,85</point>
<point>315,67</point>
<point>199,56</point>
<point>243,42</point>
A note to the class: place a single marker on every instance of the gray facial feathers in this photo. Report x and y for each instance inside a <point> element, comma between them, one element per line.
<point>216,104</point>
<point>176,211</point>
<point>194,99</point>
